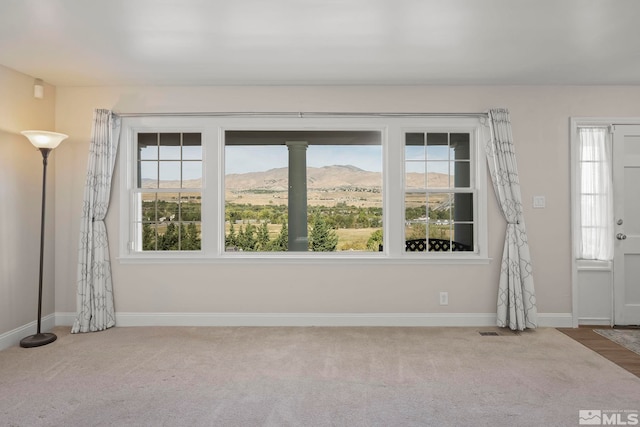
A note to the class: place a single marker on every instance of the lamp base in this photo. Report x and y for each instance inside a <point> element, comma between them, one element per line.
<point>37,340</point>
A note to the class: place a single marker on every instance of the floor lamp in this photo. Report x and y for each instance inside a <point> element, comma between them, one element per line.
<point>45,142</point>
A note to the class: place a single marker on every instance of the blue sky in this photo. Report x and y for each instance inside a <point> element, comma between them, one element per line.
<point>242,159</point>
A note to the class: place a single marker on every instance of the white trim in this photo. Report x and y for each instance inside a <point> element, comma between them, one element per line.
<point>593,265</point>
<point>317,319</point>
<point>576,265</point>
<point>555,320</point>
<point>305,319</point>
<point>13,337</point>
<point>312,258</point>
<point>552,320</point>
<point>65,319</point>
<point>597,321</point>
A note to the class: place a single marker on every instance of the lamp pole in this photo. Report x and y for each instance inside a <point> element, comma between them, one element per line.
<point>45,142</point>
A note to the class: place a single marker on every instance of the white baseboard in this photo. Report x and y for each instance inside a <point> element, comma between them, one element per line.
<point>14,336</point>
<point>304,319</point>
<point>65,319</point>
<point>555,320</point>
<point>596,321</point>
<point>551,320</point>
<point>316,319</point>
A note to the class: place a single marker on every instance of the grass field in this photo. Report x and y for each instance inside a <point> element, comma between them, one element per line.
<point>349,239</point>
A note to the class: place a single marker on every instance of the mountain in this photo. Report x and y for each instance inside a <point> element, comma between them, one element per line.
<point>326,177</point>
<point>336,176</point>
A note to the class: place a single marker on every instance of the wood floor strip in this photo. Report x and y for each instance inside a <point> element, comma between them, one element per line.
<point>610,350</point>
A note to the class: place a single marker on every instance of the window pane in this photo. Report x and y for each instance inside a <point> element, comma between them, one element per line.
<point>460,146</point>
<point>148,175</point>
<point>415,146</point>
<point>149,233</point>
<point>440,229</point>
<point>463,207</point>
<point>191,139</point>
<point>593,178</point>
<point>440,207</point>
<point>192,174</point>
<point>592,206</point>
<point>169,146</point>
<point>192,153</point>
<point>147,146</point>
<point>148,209</point>
<point>191,146</point>
<point>343,209</point>
<point>415,175</point>
<point>190,236</point>
<point>438,174</point>
<point>168,207</point>
<point>461,174</point>
<point>169,175</point>
<point>190,207</point>
<point>462,237</point>
<point>168,236</point>
<point>437,146</point>
<point>415,223</point>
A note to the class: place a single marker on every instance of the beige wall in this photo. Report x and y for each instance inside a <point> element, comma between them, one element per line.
<point>540,117</point>
<point>20,196</point>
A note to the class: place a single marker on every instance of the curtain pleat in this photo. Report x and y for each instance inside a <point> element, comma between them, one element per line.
<point>516,294</point>
<point>95,301</point>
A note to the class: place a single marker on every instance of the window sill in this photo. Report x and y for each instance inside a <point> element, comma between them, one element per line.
<point>304,259</point>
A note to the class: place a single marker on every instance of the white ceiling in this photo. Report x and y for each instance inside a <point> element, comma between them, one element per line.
<point>268,42</point>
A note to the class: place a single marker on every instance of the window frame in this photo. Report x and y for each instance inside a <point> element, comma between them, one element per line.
<point>138,191</point>
<point>213,128</point>
<point>472,189</point>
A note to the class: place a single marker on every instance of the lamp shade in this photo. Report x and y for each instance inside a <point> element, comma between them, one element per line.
<point>44,139</point>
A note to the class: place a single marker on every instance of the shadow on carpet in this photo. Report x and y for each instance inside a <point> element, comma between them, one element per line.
<point>628,338</point>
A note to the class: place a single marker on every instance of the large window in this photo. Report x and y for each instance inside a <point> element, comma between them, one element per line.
<point>325,188</point>
<point>318,191</point>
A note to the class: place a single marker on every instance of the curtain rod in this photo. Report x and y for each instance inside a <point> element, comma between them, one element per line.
<point>299,114</point>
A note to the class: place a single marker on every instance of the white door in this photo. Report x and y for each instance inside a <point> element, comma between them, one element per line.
<point>626,184</point>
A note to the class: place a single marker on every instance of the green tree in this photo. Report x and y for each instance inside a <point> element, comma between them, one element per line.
<point>148,237</point>
<point>169,240</point>
<point>191,238</point>
<point>416,231</point>
<point>375,241</point>
<point>246,238</point>
<point>231,239</point>
<point>281,243</point>
<point>262,243</point>
<point>322,238</point>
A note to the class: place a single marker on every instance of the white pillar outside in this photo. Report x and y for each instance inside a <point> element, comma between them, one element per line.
<point>298,239</point>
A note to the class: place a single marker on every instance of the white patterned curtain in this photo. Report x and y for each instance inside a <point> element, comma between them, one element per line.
<point>516,294</point>
<point>595,234</point>
<point>96,310</point>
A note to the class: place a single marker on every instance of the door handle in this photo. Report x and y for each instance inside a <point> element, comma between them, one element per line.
<point>621,236</point>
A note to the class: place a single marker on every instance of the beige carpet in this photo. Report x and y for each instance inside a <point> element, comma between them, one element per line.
<point>185,376</point>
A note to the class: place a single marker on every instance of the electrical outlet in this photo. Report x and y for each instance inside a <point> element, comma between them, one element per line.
<point>444,298</point>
